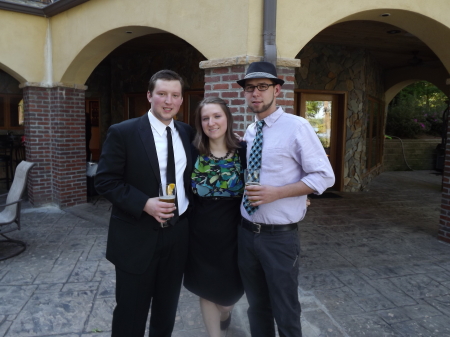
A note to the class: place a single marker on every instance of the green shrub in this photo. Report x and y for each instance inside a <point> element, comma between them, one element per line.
<point>415,111</point>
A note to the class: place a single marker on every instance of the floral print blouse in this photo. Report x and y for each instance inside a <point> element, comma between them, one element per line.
<point>222,178</point>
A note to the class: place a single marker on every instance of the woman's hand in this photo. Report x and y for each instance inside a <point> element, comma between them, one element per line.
<point>241,139</point>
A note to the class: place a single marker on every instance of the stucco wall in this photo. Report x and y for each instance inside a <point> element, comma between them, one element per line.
<point>299,21</point>
<point>78,39</point>
<point>22,45</point>
<point>336,68</point>
<point>214,29</point>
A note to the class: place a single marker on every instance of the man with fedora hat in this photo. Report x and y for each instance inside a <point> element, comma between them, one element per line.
<point>292,164</point>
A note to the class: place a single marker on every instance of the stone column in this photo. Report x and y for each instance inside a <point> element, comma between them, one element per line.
<point>220,80</point>
<point>55,141</point>
<point>444,223</point>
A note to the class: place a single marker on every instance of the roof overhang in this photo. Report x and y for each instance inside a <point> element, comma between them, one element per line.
<point>47,11</point>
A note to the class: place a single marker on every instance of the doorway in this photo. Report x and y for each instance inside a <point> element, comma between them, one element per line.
<point>92,109</point>
<point>325,111</point>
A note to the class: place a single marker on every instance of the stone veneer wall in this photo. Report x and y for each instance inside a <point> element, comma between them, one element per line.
<point>338,68</point>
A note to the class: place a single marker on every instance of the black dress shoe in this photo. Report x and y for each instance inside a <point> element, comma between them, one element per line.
<point>226,323</point>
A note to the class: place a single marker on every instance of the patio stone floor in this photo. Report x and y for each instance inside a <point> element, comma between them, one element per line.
<point>370,266</point>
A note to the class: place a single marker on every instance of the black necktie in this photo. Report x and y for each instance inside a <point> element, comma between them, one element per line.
<point>170,173</point>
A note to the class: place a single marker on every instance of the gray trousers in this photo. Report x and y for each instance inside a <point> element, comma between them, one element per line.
<point>268,263</point>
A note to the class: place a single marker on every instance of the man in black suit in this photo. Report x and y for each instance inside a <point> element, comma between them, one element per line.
<point>149,257</point>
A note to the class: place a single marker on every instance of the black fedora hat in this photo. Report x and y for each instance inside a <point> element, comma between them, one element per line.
<point>261,70</point>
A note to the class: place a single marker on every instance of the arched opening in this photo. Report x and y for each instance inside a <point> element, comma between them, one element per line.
<point>84,63</point>
<point>415,129</point>
<point>399,211</point>
<point>10,97</point>
<point>11,126</point>
<point>357,60</point>
<point>117,86</point>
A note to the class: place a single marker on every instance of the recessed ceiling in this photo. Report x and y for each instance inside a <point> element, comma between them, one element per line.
<point>391,50</point>
<point>151,42</point>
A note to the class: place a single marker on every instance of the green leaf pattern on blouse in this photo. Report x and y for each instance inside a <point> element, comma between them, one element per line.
<point>222,178</point>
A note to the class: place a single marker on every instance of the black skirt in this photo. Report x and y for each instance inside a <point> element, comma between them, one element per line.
<point>212,271</point>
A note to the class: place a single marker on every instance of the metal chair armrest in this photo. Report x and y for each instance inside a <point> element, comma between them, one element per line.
<point>12,203</point>
<point>2,195</point>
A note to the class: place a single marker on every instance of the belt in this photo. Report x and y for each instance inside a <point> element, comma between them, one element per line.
<point>221,198</point>
<point>166,224</point>
<point>256,227</point>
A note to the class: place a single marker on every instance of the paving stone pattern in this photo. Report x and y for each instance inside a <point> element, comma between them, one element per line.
<point>370,266</point>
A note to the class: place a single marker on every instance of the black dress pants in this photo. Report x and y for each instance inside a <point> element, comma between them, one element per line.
<point>268,263</point>
<point>159,286</point>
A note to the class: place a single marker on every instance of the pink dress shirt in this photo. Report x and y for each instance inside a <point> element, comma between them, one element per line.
<point>291,152</point>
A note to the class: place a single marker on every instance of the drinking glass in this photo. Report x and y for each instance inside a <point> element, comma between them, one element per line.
<point>167,193</point>
<point>251,177</point>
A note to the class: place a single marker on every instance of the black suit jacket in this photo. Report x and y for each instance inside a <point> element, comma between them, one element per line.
<point>128,175</point>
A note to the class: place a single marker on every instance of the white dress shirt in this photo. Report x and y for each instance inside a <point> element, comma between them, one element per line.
<point>291,152</point>
<point>160,138</point>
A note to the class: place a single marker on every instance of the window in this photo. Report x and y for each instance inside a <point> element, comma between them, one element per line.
<point>11,111</point>
<point>374,133</point>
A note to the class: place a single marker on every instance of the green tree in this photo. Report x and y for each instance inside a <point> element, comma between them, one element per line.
<point>313,108</point>
<point>417,109</point>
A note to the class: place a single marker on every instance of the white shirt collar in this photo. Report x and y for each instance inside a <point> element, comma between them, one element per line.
<point>272,118</point>
<point>159,126</point>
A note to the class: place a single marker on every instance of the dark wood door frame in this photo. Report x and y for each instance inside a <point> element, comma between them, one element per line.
<point>338,128</point>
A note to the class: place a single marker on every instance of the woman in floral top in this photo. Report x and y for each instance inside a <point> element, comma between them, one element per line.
<point>217,182</point>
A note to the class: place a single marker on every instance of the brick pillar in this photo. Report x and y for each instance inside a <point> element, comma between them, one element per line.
<point>221,81</point>
<point>55,135</point>
<point>37,102</point>
<point>69,146</point>
<point>444,223</point>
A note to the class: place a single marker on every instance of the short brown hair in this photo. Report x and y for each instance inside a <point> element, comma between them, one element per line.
<point>201,141</point>
<point>167,75</point>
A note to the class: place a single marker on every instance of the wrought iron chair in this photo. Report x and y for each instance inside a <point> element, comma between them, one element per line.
<point>10,216</point>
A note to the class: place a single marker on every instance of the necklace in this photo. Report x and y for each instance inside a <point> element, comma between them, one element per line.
<point>217,159</point>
